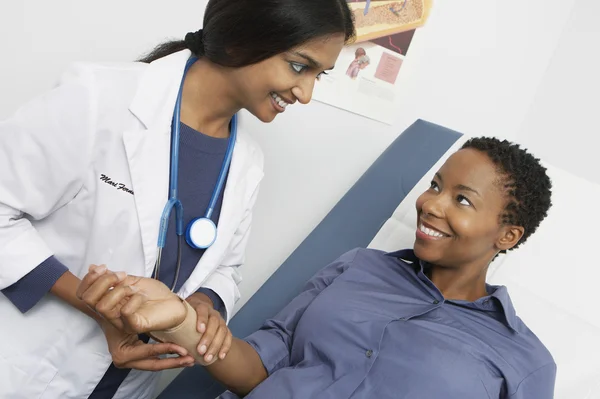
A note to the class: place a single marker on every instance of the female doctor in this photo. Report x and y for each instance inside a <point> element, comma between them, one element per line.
<point>120,159</point>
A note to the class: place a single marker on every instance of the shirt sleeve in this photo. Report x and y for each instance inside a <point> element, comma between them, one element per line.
<point>30,289</point>
<point>218,303</point>
<point>273,341</point>
<point>539,384</point>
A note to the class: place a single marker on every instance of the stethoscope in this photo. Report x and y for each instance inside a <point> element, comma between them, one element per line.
<point>201,232</point>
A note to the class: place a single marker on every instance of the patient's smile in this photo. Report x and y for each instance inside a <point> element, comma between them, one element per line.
<point>429,233</point>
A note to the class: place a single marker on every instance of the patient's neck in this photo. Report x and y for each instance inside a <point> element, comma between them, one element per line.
<point>467,284</point>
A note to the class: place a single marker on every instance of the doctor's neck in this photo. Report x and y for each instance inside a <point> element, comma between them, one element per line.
<point>209,99</point>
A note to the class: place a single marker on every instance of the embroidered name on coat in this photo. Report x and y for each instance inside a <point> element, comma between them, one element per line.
<point>118,186</point>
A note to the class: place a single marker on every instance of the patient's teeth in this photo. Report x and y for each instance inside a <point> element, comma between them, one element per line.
<point>430,232</point>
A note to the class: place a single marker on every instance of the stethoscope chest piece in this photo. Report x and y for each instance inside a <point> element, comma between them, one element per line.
<point>201,233</point>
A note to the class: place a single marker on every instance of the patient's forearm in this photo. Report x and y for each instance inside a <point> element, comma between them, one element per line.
<point>240,371</point>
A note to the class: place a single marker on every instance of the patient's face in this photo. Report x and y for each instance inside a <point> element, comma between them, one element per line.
<point>459,215</point>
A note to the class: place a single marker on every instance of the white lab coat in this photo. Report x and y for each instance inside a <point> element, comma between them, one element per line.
<point>112,120</point>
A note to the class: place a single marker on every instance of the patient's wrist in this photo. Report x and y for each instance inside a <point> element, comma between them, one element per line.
<point>187,315</point>
<point>185,335</point>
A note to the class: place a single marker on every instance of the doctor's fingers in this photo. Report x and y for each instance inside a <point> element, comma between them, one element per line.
<point>94,292</point>
<point>220,345</point>
<point>202,316</point>
<point>94,272</point>
<point>212,333</point>
<point>146,357</point>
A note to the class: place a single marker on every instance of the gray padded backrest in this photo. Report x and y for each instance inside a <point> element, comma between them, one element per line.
<point>353,222</point>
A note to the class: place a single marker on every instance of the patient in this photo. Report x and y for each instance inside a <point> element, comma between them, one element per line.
<point>419,323</point>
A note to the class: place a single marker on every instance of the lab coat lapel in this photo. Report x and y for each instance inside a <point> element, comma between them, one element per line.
<point>148,157</point>
<point>148,146</point>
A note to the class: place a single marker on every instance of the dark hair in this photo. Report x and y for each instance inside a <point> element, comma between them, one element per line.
<point>525,182</point>
<point>244,32</point>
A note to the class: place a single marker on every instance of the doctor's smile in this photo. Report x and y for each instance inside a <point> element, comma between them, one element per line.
<point>168,126</point>
<point>279,102</point>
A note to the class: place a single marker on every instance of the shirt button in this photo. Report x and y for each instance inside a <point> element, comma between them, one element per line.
<point>369,353</point>
<point>435,302</point>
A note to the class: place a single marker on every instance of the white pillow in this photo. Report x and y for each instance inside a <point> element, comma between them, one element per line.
<point>551,278</point>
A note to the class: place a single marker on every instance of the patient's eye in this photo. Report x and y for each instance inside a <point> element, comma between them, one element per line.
<point>434,186</point>
<point>463,200</point>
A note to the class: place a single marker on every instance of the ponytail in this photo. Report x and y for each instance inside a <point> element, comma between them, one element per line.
<point>193,42</point>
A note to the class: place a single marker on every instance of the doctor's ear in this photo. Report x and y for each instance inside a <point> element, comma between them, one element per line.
<point>510,236</point>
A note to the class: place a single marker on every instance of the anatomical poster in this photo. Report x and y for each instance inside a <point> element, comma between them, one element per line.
<point>365,76</point>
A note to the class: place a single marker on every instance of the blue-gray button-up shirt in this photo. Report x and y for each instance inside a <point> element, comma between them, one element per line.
<point>372,325</point>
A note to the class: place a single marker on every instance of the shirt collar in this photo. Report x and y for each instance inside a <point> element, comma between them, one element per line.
<point>497,300</point>
<point>500,293</point>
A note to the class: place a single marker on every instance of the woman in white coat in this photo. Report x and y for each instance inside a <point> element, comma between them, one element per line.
<point>86,171</point>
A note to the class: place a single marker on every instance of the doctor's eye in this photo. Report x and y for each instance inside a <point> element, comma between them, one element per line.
<point>298,68</point>
<point>321,74</point>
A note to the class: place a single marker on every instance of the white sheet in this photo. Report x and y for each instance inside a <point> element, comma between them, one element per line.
<point>551,279</point>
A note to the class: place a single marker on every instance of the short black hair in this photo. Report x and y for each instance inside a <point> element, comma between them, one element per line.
<point>525,181</point>
<point>245,32</point>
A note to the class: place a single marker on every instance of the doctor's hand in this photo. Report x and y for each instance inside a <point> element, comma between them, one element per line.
<point>131,304</point>
<point>128,351</point>
<point>216,336</point>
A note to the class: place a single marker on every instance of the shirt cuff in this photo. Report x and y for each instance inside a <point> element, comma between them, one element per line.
<point>271,349</point>
<point>218,303</point>
<point>32,287</point>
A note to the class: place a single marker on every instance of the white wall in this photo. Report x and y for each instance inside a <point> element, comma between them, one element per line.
<point>478,66</point>
<point>38,38</point>
<point>562,123</point>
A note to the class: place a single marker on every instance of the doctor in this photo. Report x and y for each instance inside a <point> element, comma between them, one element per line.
<point>144,167</point>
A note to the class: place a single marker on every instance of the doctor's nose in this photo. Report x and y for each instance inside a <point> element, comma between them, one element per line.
<point>303,92</point>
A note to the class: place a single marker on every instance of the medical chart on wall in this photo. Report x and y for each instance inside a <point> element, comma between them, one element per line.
<point>365,76</point>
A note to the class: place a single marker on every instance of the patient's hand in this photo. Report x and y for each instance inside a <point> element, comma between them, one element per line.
<point>144,305</point>
<point>131,303</point>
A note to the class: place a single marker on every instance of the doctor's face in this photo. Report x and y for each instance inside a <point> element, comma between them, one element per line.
<point>459,216</point>
<point>268,87</point>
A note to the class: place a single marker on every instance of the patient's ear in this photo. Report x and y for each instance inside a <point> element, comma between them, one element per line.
<point>509,237</point>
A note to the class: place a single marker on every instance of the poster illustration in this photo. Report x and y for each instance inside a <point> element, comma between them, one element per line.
<point>364,80</point>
